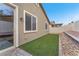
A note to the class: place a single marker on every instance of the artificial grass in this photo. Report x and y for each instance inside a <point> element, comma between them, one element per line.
<point>47,45</point>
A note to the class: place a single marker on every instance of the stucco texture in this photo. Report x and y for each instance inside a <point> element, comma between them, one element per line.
<point>41,20</point>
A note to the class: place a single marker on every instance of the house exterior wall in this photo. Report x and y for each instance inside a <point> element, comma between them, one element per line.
<point>41,20</point>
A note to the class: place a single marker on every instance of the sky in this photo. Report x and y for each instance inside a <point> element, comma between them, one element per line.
<point>62,12</point>
<point>59,12</point>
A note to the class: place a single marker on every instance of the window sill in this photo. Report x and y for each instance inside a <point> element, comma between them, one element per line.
<point>30,31</point>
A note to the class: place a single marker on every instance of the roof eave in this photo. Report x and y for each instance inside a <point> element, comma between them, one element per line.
<point>44,12</point>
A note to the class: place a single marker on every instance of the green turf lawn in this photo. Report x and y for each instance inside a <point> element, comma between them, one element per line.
<point>47,45</point>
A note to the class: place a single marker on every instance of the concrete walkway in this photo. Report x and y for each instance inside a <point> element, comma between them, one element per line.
<point>69,46</point>
<point>15,52</point>
<point>20,52</point>
<point>60,46</point>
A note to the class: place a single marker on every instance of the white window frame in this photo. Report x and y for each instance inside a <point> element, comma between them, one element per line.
<point>25,31</point>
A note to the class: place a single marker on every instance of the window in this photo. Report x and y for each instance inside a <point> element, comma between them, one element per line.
<point>33,23</point>
<point>29,22</point>
<point>46,26</point>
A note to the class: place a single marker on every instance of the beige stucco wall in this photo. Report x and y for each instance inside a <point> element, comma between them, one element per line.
<point>76,26</point>
<point>41,19</point>
<point>69,27</point>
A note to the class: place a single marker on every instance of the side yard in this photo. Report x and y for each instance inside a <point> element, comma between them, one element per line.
<point>47,45</point>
